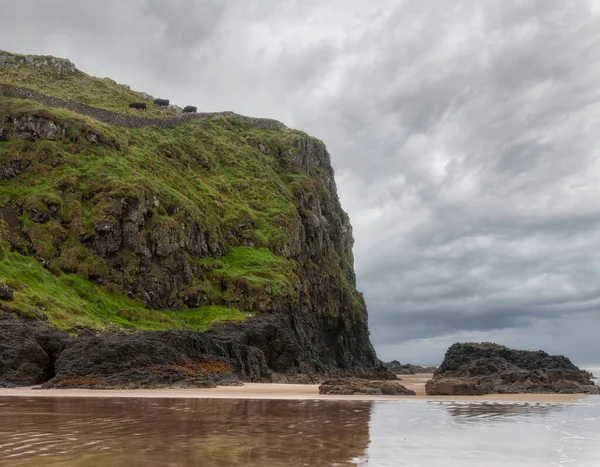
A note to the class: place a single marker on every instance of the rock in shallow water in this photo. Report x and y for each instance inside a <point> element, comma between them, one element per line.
<point>351,386</point>
<point>478,369</point>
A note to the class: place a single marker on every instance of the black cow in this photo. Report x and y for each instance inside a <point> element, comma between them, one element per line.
<point>138,105</point>
<point>161,102</point>
<point>190,109</point>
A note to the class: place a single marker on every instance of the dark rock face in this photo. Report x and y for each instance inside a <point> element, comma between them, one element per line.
<point>154,360</point>
<point>477,369</point>
<point>28,351</point>
<point>32,352</point>
<point>224,355</point>
<point>351,386</point>
<point>407,369</point>
<point>6,293</point>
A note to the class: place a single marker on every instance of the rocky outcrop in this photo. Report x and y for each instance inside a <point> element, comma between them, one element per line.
<point>6,293</point>
<point>155,360</point>
<point>352,386</point>
<point>28,350</point>
<point>58,65</point>
<point>32,352</point>
<point>478,369</point>
<point>407,369</point>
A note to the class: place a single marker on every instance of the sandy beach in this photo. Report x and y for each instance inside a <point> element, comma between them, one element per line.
<point>269,391</point>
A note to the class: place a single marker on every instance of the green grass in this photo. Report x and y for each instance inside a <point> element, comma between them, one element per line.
<point>257,268</point>
<point>77,86</point>
<point>235,181</point>
<point>69,301</point>
<point>217,177</point>
<point>213,173</point>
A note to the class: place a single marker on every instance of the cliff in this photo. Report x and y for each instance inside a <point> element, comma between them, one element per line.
<point>164,244</point>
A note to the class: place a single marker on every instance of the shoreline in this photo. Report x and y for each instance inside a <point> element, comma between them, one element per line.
<point>275,391</point>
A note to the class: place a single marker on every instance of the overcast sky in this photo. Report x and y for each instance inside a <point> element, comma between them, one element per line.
<point>464,136</point>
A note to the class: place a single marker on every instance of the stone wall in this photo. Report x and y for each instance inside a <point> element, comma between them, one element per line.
<point>129,121</point>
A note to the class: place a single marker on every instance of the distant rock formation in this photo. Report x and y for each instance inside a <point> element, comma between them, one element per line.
<point>407,369</point>
<point>487,368</point>
<point>352,386</point>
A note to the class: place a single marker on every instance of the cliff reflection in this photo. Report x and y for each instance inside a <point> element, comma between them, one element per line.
<point>136,432</point>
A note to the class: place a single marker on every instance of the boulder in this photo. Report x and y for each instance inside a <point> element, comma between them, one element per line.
<point>6,293</point>
<point>352,386</point>
<point>28,351</point>
<point>487,368</point>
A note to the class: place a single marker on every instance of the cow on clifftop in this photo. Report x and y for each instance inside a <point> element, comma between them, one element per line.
<point>190,109</point>
<point>138,105</point>
<point>161,102</point>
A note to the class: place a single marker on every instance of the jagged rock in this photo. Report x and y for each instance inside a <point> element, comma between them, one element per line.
<point>28,351</point>
<point>156,359</point>
<point>33,128</point>
<point>477,369</point>
<point>6,293</point>
<point>371,374</point>
<point>351,386</point>
<point>407,369</point>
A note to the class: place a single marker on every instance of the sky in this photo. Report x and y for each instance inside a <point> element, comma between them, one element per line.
<point>464,137</point>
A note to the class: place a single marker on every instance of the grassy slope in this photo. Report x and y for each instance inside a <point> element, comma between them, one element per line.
<point>210,171</point>
<point>77,86</point>
<point>70,301</point>
<point>219,173</point>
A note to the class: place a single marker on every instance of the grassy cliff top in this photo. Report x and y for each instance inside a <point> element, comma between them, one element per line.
<point>59,77</point>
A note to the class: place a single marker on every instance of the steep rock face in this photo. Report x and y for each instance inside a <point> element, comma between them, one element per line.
<point>477,369</point>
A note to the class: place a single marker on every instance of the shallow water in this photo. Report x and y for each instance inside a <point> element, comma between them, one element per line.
<point>205,432</point>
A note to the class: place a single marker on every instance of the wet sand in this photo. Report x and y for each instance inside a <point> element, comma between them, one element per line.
<point>269,391</point>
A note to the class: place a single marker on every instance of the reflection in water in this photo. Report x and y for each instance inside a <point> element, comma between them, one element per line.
<point>485,433</point>
<point>204,432</point>
<point>498,410</point>
<point>163,432</point>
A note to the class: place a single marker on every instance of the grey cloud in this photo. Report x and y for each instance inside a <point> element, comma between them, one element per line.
<point>463,135</point>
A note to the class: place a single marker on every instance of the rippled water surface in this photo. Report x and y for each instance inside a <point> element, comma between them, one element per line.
<point>205,432</point>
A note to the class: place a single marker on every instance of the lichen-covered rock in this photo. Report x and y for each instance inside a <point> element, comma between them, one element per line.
<point>477,369</point>
<point>353,386</point>
<point>61,65</point>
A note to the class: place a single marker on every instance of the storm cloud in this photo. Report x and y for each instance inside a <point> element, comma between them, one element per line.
<point>464,135</point>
